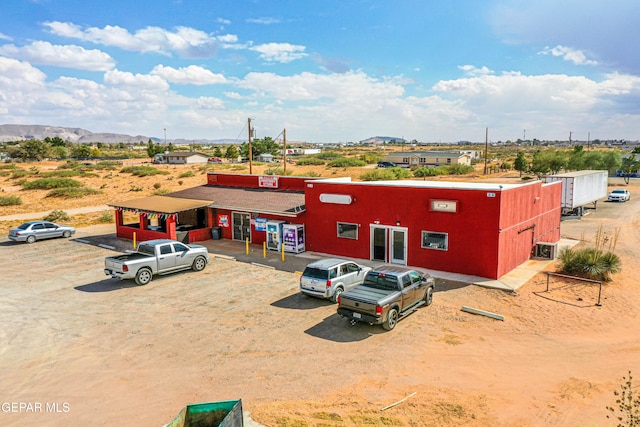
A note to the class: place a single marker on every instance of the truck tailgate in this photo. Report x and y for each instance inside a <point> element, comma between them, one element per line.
<point>363,299</point>
<point>115,262</point>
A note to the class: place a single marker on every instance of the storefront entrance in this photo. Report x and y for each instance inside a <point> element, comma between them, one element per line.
<point>241,226</point>
<point>389,244</point>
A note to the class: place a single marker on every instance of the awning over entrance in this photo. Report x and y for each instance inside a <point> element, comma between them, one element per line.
<point>161,204</point>
<point>284,203</point>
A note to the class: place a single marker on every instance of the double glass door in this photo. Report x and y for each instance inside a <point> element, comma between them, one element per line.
<point>389,244</point>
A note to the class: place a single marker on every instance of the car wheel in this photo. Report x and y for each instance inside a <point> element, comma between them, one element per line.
<point>31,239</point>
<point>337,294</point>
<point>66,234</point>
<point>392,320</point>
<point>143,276</point>
<point>199,264</point>
<point>428,296</point>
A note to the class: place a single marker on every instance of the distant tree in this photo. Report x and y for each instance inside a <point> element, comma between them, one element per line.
<point>81,151</point>
<point>629,165</point>
<point>153,149</point>
<point>520,164</point>
<point>59,152</point>
<point>33,149</point>
<point>557,161</point>
<point>260,146</point>
<point>576,158</point>
<point>217,152</point>
<point>231,153</point>
<point>539,164</point>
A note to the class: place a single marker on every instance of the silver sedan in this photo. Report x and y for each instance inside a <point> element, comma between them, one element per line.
<point>38,230</point>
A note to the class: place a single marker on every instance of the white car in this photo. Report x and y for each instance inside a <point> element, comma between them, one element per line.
<point>619,196</point>
<point>329,277</point>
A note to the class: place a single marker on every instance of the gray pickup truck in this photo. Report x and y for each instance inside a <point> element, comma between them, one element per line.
<point>387,294</point>
<point>159,256</point>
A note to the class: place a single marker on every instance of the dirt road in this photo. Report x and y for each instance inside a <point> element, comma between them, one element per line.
<point>94,351</point>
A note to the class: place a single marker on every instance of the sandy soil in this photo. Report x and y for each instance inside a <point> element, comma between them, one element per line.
<point>118,353</point>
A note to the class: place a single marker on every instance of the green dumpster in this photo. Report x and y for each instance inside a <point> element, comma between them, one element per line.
<point>226,413</point>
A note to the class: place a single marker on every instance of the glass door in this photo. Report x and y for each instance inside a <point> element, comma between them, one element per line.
<point>379,244</point>
<point>241,226</point>
<point>398,253</point>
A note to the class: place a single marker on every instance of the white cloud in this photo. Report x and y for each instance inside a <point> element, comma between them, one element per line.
<point>184,41</point>
<point>69,56</point>
<point>122,79</point>
<point>280,52</point>
<point>188,75</point>
<point>568,54</point>
<point>5,37</point>
<point>470,70</point>
<point>263,21</point>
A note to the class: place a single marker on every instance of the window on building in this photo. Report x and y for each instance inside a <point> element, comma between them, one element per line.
<point>431,240</point>
<point>448,161</point>
<point>423,160</point>
<point>405,160</point>
<point>348,231</point>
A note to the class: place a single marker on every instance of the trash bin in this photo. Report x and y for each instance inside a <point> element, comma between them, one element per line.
<point>216,233</point>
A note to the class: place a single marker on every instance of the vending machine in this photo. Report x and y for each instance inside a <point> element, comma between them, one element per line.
<point>293,237</point>
<point>274,235</point>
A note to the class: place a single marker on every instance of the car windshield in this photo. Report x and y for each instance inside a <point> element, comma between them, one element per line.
<point>381,281</point>
<point>316,273</point>
<point>618,191</point>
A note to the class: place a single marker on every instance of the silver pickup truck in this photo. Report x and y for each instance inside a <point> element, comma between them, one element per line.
<point>153,257</point>
<point>387,294</point>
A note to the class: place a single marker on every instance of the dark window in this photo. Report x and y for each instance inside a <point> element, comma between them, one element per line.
<point>166,249</point>
<point>348,231</point>
<point>432,240</point>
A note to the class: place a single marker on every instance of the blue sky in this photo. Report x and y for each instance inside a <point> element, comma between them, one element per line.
<point>327,71</point>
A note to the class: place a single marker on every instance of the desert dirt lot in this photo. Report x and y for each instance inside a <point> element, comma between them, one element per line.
<point>103,352</point>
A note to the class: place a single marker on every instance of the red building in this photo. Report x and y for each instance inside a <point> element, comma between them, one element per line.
<point>479,229</point>
<point>471,228</point>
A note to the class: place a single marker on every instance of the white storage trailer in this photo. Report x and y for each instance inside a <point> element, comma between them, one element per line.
<point>581,188</point>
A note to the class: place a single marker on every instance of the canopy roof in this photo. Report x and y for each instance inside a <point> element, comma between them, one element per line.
<point>162,204</point>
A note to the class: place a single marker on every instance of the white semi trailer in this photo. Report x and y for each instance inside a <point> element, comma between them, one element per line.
<point>581,188</point>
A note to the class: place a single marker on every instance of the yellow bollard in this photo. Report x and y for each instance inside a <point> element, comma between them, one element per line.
<point>134,240</point>
<point>264,249</point>
<point>282,246</point>
<point>247,246</point>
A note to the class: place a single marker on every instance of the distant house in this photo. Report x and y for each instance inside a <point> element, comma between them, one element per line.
<point>416,159</point>
<point>184,158</point>
<point>265,158</point>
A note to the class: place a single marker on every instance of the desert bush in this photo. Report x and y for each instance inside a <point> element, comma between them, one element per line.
<point>627,405</point>
<point>328,155</point>
<point>105,217</point>
<point>19,173</point>
<point>378,175</point>
<point>136,188</point>
<point>371,158</point>
<point>65,173</point>
<point>10,201</point>
<point>425,171</point>
<point>187,174</point>
<point>459,169</point>
<point>157,185</point>
<point>57,215</point>
<point>345,162</point>
<point>49,183</point>
<point>143,171</point>
<point>594,263</point>
<point>9,166</point>
<point>162,192</point>
<point>310,161</point>
<point>73,192</point>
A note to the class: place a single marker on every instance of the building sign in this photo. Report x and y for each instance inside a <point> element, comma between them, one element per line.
<point>223,221</point>
<point>444,205</point>
<point>261,224</point>
<point>268,181</point>
<point>339,199</point>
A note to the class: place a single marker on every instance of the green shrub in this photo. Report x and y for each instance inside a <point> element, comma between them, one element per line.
<point>327,155</point>
<point>187,174</point>
<point>345,162</point>
<point>20,173</point>
<point>371,158</point>
<point>378,175</point>
<point>57,215</point>
<point>459,169</point>
<point>106,217</point>
<point>136,188</point>
<point>157,185</point>
<point>143,171</point>
<point>73,192</point>
<point>60,173</point>
<point>49,183</point>
<point>10,201</point>
<point>310,161</point>
<point>162,192</point>
<point>425,171</point>
<point>627,409</point>
<point>590,263</point>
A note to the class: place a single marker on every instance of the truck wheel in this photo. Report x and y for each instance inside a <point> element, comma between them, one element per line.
<point>392,320</point>
<point>337,294</point>
<point>143,276</point>
<point>66,234</point>
<point>428,296</point>
<point>199,264</point>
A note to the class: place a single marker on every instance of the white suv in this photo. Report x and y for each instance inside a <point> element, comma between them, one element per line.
<point>329,277</point>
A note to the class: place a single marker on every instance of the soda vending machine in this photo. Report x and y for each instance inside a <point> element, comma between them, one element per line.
<point>293,237</point>
<point>274,235</point>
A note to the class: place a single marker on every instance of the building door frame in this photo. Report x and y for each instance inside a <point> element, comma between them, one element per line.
<point>388,243</point>
<point>241,225</point>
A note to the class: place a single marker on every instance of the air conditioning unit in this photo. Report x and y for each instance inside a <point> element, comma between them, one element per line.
<point>545,250</point>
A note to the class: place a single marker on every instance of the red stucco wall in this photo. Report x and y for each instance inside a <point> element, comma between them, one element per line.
<point>286,183</point>
<point>483,236</point>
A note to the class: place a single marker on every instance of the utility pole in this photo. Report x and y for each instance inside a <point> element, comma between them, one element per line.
<point>486,149</point>
<point>250,149</point>
<point>588,140</point>
<point>570,143</point>
<point>165,137</point>
<point>284,150</point>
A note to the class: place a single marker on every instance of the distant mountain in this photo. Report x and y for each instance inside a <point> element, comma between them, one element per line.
<point>377,140</point>
<point>83,136</point>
